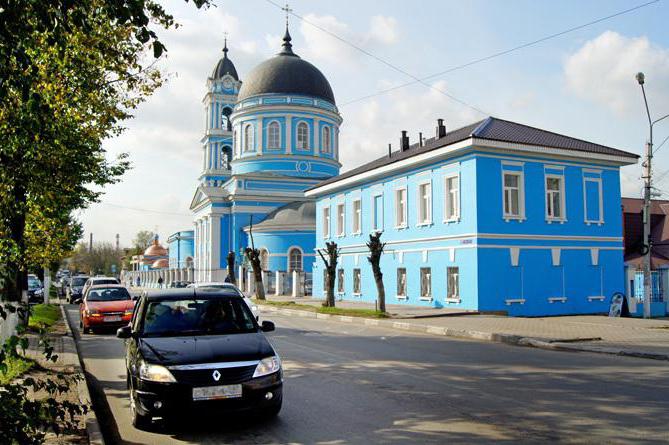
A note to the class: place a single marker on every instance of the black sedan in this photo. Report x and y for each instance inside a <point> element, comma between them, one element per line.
<point>190,349</point>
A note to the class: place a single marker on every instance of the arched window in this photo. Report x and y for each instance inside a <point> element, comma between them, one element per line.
<point>294,260</point>
<point>264,259</point>
<point>326,140</point>
<point>302,136</point>
<point>226,157</point>
<point>248,138</point>
<point>274,135</point>
<point>226,124</point>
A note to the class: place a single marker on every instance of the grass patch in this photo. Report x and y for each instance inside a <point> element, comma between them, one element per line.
<point>368,313</point>
<point>16,366</point>
<point>44,315</point>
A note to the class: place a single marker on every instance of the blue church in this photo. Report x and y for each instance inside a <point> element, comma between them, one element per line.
<point>267,139</point>
<point>495,216</point>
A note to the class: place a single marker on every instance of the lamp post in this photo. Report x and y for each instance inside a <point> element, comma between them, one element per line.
<point>647,177</point>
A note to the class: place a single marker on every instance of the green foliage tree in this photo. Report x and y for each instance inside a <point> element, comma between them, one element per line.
<point>97,260</point>
<point>70,74</point>
<point>142,240</point>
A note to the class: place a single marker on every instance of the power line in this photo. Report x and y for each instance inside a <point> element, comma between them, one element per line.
<point>143,210</point>
<point>661,144</point>
<point>502,53</point>
<point>379,59</point>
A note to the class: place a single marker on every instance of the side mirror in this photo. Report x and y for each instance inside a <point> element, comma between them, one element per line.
<point>267,326</point>
<point>134,297</point>
<point>124,332</point>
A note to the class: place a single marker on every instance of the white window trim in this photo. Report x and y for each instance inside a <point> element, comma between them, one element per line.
<point>420,285</point>
<point>563,197</point>
<point>269,147</point>
<point>521,195</point>
<point>456,217</point>
<point>324,149</point>
<point>428,210</point>
<point>357,217</point>
<point>326,222</point>
<point>449,298</point>
<point>404,295</point>
<point>290,249</point>
<point>297,135</point>
<point>248,145</point>
<point>341,233</point>
<point>341,282</point>
<point>373,212</point>
<point>585,200</point>
<point>406,208</point>
<point>359,282</point>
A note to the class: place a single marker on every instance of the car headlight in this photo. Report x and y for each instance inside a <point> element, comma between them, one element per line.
<point>93,313</point>
<point>267,366</point>
<point>155,373</point>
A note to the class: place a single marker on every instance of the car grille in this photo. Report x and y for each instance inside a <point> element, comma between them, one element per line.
<point>111,313</point>
<point>204,377</point>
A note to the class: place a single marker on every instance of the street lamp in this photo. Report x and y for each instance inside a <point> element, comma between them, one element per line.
<point>647,283</point>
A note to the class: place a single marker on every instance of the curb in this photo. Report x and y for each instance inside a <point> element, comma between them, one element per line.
<point>509,339</point>
<point>92,425</point>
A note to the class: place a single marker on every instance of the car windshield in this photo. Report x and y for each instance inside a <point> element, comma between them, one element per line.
<point>78,281</point>
<point>33,284</point>
<point>111,294</point>
<point>198,316</point>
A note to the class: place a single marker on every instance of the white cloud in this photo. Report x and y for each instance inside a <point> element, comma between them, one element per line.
<point>603,71</point>
<point>383,29</point>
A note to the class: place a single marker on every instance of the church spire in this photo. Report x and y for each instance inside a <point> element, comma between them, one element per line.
<point>225,45</point>
<point>287,47</point>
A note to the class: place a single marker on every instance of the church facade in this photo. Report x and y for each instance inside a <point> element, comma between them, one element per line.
<point>267,139</point>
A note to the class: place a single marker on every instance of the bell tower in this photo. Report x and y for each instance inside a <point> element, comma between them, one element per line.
<point>217,143</point>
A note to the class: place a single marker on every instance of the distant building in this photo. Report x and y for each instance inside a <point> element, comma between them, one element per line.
<point>495,216</point>
<point>634,252</point>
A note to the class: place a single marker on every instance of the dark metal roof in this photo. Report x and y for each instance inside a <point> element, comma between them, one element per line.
<point>225,66</point>
<point>493,129</point>
<point>287,73</point>
<point>294,214</point>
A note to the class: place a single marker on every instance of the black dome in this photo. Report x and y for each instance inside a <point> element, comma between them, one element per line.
<point>225,66</point>
<point>286,73</point>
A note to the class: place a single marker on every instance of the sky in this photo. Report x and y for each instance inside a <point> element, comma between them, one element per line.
<point>580,84</point>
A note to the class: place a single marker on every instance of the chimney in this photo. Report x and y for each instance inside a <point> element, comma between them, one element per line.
<point>404,141</point>
<point>420,139</point>
<point>441,129</point>
<point>390,150</point>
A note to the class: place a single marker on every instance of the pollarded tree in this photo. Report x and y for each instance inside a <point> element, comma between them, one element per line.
<point>375,247</point>
<point>253,256</point>
<point>231,267</point>
<point>330,263</point>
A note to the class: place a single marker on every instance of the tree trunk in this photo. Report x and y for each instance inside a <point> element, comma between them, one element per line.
<point>375,247</point>
<point>381,291</point>
<point>330,300</point>
<point>331,270</point>
<point>253,255</point>
<point>231,267</point>
<point>17,283</point>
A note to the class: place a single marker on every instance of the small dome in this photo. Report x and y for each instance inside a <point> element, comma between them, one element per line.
<point>294,214</point>
<point>287,73</point>
<point>225,66</point>
<point>162,263</point>
<point>155,249</point>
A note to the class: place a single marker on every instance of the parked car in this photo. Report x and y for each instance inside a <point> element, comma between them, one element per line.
<point>75,288</point>
<point>94,281</point>
<point>35,290</point>
<point>178,284</point>
<point>62,286</point>
<point>201,348</point>
<point>223,285</point>
<point>106,305</point>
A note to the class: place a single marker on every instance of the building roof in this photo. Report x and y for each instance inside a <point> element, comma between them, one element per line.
<point>295,215</point>
<point>493,129</point>
<point>162,263</point>
<point>225,66</point>
<point>287,73</point>
<point>659,231</point>
<point>155,249</point>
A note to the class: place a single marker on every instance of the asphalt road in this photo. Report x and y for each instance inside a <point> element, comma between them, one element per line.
<point>353,384</point>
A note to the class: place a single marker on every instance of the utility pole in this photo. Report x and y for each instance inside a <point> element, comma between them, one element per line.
<point>117,241</point>
<point>647,195</point>
<point>90,243</point>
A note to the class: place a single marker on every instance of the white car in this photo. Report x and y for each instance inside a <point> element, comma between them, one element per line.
<point>95,281</point>
<point>221,285</point>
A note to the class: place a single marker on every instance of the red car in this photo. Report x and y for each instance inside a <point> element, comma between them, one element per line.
<point>107,305</point>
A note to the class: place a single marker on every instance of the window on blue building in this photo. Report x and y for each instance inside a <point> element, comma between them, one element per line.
<point>326,222</point>
<point>453,283</point>
<point>425,203</point>
<point>377,214</point>
<point>401,207</point>
<point>554,197</point>
<point>513,195</point>
<point>273,135</point>
<point>356,282</point>
<point>248,137</point>
<point>452,198</point>
<point>302,136</point>
<point>264,259</point>
<point>341,219</point>
<point>326,140</point>
<point>340,281</point>
<point>401,282</point>
<point>357,216</point>
<point>295,260</point>
<point>425,283</point>
<point>593,200</point>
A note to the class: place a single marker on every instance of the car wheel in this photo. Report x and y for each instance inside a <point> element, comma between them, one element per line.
<point>139,421</point>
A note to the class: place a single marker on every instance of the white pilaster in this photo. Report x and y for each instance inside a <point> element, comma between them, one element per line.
<point>317,136</point>
<point>260,134</point>
<point>215,247</point>
<point>289,132</point>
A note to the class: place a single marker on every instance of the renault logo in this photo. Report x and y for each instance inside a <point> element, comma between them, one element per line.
<point>216,375</point>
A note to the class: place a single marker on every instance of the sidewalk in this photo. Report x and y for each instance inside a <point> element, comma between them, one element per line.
<point>592,333</point>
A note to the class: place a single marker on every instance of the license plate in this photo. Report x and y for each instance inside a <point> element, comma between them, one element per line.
<point>217,392</point>
<point>111,318</point>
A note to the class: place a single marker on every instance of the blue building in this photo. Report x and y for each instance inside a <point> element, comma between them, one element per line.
<point>496,216</point>
<point>267,139</point>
